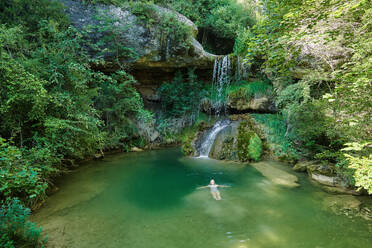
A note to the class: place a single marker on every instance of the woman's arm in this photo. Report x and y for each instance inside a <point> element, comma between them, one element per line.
<point>203,187</point>
<point>224,186</point>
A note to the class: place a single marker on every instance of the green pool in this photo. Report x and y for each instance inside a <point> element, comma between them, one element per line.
<point>150,200</point>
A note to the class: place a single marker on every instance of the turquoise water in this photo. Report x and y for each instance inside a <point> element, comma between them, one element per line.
<point>150,200</point>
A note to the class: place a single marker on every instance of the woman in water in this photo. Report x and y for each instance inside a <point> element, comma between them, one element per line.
<point>214,189</point>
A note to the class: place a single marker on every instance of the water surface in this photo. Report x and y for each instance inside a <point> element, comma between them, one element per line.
<point>150,200</point>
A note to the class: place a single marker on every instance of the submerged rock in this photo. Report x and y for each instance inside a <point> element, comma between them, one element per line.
<point>270,170</point>
<point>342,204</point>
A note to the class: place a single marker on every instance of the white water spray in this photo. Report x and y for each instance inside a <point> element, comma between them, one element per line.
<point>221,81</point>
<point>207,144</point>
<point>167,49</point>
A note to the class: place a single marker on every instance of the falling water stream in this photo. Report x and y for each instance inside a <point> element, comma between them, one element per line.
<point>221,82</point>
<point>207,144</point>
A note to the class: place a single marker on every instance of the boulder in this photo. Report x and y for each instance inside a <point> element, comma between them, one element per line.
<point>143,39</point>
<point>257,104</point>
<point>302,166</point>
<point>325,180</point>
<point>224,147</point>
<point>136,149</point>
<point>320,169</point>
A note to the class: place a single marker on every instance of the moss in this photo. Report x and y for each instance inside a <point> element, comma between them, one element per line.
<point>189,134</point>
<point>227,152</point>
<point>255,147</point>
<point>187,147</point>
<point>274,129</point>
<point>249,143</point>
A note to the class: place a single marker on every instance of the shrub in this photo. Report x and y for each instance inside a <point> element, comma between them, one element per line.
<point>255,147</point>
<point>15,228</point>
<point>359,156</point>
<point>249,144</point>
<point>24,173</point>
<point>182,97</point>
<point>275,130</point>
<point>250,90</point>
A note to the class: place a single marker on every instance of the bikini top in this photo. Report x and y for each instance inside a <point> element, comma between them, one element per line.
<point>213,187</point>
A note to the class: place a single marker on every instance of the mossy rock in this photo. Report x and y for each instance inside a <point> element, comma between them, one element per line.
<point>191,136</point>
<point>228,152</point>
<point>187,148</point>
<point>249,144</point>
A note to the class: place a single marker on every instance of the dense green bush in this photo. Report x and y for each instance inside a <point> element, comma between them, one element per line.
<point>255,147</point>
<point>331,101</point>
<point>175,34</point>
<point>24,173</point>
<point>249,144</point>
<point>55,108</point>
<point>182,96</point>
<point>359,157</point>
<point>249,90</point>
<point>275,129</point>
<point>15,228</point>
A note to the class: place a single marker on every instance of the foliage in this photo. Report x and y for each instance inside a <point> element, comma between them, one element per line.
<point>24,173</point>
<point>182,96</point>
<point>175,33</point>
<point>255,147</point>
<point>217,20</point>
<point>119,104</point>
<point>55,108</point>
<point>249,144</point>
<point>223,17</point>
<point>275,129</point>
<point>109,42</point>
<point>321,73</point>
<point>360,159</point>
<point>28,13</point>
<point>250,90</point>
<point>15,228</point>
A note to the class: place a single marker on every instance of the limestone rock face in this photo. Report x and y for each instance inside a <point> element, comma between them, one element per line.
<point>325,176</point>
<point>232,143</point>
<point>145,41</point>
<point>224,147</point>
<point>260,104</point>
<point>325,180</point>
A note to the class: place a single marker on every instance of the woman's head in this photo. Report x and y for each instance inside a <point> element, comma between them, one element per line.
<point>212,182</point>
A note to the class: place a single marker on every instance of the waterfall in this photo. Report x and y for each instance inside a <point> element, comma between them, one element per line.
<point>167,49</point>
<point>238,69</point>
<point>221,81</point>
<point>207,144</point>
